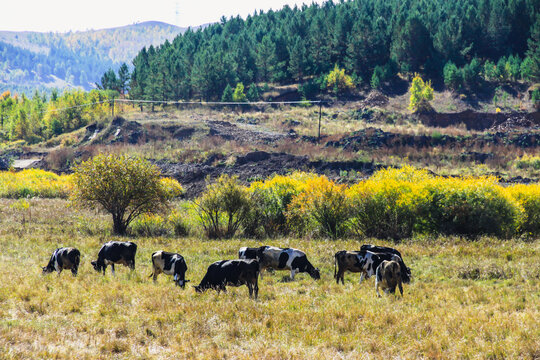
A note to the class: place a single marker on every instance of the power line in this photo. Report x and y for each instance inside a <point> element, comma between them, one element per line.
<point>223,103</point>
<point>75,107</point>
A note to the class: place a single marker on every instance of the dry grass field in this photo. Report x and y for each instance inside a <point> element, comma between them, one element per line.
<point>467,300</point>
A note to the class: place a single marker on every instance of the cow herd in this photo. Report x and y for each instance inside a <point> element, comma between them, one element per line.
<point>385,263</point>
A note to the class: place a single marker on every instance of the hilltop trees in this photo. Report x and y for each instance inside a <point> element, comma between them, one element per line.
<point>533,51</point>
<point>38,118</point>
<point>111,81</point>
<point>370,39</point>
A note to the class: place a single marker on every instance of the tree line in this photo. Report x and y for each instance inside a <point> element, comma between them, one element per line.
<point>41,117</point>
<point>371,40</point>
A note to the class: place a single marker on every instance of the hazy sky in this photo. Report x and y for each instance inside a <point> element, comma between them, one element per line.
<point>65,15</point>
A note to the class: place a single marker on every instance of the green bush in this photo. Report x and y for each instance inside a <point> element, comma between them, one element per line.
<point>272,198</point>
<point>223,207</point>
<point>178,223</point>
<point>322,206</point>
<point>468,208</point>
<point>150,226</point>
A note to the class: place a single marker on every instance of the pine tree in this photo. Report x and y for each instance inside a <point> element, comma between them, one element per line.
<point>533,51</point>
<point>227,94</point>
<point>297,61</point>
<point>123,78</point>
<point>253,93</point>
<point>265,57</point>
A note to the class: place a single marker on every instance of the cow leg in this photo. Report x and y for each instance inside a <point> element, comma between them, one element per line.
<point>74,270</point>
<point>340,276</point>
<point>154,275</point>
<point>377,287</point>
<point>293,272</point>
<point>256,288</point>
<point>132,265</point>
<point>400,288</point>
<point>176,279</point>
<point>361,277</point>
<point>112,268</point>
<point>250,289</point>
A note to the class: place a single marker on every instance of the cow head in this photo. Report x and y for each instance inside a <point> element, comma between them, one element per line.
<point>47,270</point>
<point>315,273</point>
<point>182,283</point>
<point>96,266</point>
<point>396,270</point>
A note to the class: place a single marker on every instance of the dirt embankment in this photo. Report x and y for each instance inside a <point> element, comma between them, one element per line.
<point>254,166</point>
<point>371,138</point>
<point>482,121</point>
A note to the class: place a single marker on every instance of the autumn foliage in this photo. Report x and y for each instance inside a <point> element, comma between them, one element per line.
<point>123,186</point>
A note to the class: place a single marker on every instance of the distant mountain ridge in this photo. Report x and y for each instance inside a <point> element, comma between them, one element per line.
<point>34,60</point>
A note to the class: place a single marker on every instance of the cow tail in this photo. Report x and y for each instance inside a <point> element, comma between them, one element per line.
<point>153,266</point>
<point>335,265</point>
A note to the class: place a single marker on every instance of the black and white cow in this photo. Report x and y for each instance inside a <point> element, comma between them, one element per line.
<point>286,259</point>
<point>380,249</point>
<point>405,271</point>
<point>248,252</point>
<point>364,262</point>
<point>115,252</point>
<point>232,273</point>
<point>67,258</point>
<point>251,253</point>
<point>170,264</point>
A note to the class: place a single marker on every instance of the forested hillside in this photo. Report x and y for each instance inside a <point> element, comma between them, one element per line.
<point>30,60</point>
<point>463,42</point>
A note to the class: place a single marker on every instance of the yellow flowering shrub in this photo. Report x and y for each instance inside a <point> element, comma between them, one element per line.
<point>470,207</point>
<point>386,205</point>
<point>172,187</point>
<point>34,182</point>
<point>272,198</point>
<point>395,203</point>
<point>322,205</point>
<point>527,162</point>
<point>528,197</point>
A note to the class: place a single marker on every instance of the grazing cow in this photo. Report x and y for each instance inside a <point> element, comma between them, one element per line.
<point>115,252</point>
<point>248,253</point>
<point>169,264</point>
<point>232,273</point>
<point>364,262</point>
<point>291,259</point>
<point>379,249</point>
<point>405,271</point>
<point>63,258</point>
<point>388,276</point>
<point>251,253</point>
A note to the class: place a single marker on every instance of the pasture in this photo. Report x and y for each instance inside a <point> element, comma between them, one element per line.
<point>467,300</point>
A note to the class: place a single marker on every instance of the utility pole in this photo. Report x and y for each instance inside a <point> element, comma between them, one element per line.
<point>320,115</point>
<point>112,107</point>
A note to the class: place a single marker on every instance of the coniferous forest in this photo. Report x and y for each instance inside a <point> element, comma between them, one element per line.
<point>462,42</point>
